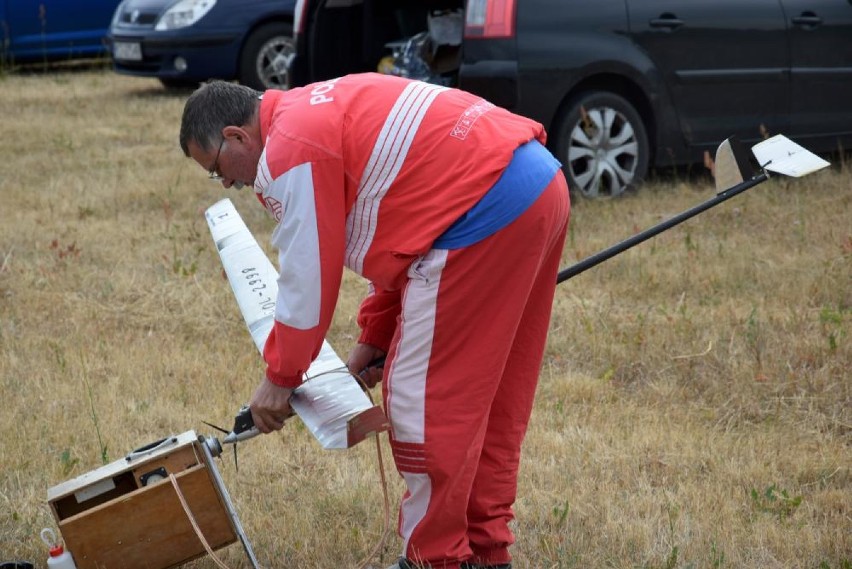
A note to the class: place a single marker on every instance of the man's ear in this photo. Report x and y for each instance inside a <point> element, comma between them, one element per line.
<point>237,133</point>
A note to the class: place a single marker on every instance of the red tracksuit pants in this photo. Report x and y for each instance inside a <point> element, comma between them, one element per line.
<point>459,387</point>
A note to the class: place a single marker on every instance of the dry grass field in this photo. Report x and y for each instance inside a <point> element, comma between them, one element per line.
<point>695,405</point>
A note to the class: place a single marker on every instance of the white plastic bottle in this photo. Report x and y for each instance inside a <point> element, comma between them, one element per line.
<point>59,558</point>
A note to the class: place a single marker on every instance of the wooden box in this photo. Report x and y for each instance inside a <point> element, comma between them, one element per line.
<point>128,515</point>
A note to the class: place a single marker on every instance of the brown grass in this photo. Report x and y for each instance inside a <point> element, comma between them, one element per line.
<point>694,407</point>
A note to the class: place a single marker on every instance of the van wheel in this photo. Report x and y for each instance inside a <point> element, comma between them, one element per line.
<point>602,144</point>
<point>266,56</point>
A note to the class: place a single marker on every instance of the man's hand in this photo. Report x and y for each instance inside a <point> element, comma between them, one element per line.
<point>270,406</point>
<point>359,360</point>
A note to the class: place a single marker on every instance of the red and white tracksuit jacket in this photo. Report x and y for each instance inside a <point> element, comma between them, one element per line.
<point>366,171</point>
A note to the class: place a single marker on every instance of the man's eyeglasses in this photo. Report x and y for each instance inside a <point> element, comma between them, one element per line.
<point>213,173</point>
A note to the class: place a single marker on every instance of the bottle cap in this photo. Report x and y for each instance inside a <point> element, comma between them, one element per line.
<point>56,550</point>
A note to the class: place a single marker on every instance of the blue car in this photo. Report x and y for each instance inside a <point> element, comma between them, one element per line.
<point>184,42</point>
<point>53,30</point>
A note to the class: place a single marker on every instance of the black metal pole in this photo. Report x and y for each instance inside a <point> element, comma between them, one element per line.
<point>598,258</point>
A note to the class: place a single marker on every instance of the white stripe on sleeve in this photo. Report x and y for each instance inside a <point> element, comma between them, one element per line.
<point>297,240</point>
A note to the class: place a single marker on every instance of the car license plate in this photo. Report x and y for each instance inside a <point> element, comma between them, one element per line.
<point>127,51</point>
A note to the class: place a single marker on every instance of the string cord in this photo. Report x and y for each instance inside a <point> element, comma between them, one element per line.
<point>194,523</point>
<point>382,475</point>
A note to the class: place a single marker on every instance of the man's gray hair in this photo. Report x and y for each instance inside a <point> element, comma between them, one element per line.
<point>212,107</point>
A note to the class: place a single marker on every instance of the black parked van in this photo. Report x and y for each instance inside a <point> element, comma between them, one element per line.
<point>620,85</point>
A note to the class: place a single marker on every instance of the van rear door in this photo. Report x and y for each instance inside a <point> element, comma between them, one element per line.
<point>489,65</point>
<point>337,37</point>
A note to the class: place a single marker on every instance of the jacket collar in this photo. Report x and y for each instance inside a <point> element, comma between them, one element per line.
<point>268,103</point>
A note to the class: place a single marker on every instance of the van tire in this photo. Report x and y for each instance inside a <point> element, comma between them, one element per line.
<point>602,143</point>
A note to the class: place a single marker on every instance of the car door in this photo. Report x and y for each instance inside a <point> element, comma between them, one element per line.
<point>821,67</point>
<point>725,63</point>
<point>58,29</point>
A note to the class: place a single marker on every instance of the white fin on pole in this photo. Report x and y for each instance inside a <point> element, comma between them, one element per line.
<point>732,165</point>
<point>330,399</point>
<point>781,155</point>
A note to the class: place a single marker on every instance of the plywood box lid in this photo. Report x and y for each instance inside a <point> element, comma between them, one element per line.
<point>161,448</point>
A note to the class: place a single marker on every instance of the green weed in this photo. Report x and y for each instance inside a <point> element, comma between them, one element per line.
<point>717,558</point>
<point>560,512</point>
<point>68,463</point>
<point>831,320</point>
<point>94,413</point>
<point>775,501</point>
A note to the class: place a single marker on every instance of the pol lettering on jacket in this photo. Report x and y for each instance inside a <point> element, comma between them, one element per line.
<point>318,92</point>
